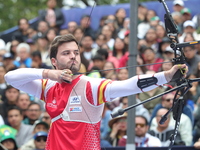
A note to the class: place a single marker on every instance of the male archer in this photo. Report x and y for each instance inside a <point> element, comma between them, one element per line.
<point>75,102</point>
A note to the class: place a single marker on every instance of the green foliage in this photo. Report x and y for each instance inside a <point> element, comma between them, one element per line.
<point>12,10</point>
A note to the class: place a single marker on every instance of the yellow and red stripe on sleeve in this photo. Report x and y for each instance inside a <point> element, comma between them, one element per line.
<point>101,89</point>
<point>44,83</point>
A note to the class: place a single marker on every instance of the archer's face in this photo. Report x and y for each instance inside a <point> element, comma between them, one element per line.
<point>68,57</point>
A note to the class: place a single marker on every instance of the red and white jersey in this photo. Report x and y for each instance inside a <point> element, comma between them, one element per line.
<point>79,126</point>
<point>72,132</point>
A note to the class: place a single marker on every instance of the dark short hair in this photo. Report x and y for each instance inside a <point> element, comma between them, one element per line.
<point>10,87</point>
<point>33,103</point>
<point>103,52</point>
<point>141,116</point>
<point>59,40</point>
<point>15,108</point>
<point>36,54</point>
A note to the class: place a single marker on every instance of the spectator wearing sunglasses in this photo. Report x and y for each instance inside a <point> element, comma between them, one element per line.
<point>165,130</point>
<point>39,126</point>
<point>40,139</point>
<point>167,102</point>
<point>142,138</point>
<point>185,127</point>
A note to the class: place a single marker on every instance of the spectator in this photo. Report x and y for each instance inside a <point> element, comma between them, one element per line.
<point>120,16</point>
<point>119,48</point>
<point>178,20</point>
<point>178,5</point>
<point>33,113</point>
<point>85,25</point>
<point>46,118</point>
<point>42,28</point>
<point>142,11</point>
<point>189,37</point>
<point>185,128</point>
<point>98,61</point>
<point>11,95</point>
<point>186,14</point>
<point>149,56</point>
<point>151,39</point>
<point>142,138</point>
<point>31,33</point>
<point>100,40</point>
<point>40,139</point>
<point>63,32</point>
<point>113,27</point>
<point>144,26</point>
<point>118,128</point>
<point>7,137</point>
<point>23,53</point>
<point>22,33</point>
<point>122,74</point>
<point>87,43</point>
<point>164,131</point>
<point>189,27</point>
<point>32,45</point>
<point>167,102</point>
<point>51,34</point>
<point>52,15</point>
<point>168,53</point>
<point>191,59</point>
<point>8,62</point>
<point>13,47</point>
<point>163,44</point>
<point>124,29</point>
<point>101,24</point>
<point>23,102</point>
<point>108,33</point>
<point>78,34</point>
<point>43,45</point>
<point>23,131</point>
<point>108,56</point>
<point>160,33</point>
<point>72,25</point>
<point>109,66</point>
<point>37,60</point>
<point>154,21</point>
<point>38,127</point>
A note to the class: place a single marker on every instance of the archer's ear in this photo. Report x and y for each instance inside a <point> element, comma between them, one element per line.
<point>54,62</point>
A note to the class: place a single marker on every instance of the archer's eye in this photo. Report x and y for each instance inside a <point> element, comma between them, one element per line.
<point>76,53</point>
<point>65,53</point>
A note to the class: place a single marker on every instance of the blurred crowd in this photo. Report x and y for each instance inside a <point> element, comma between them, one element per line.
<point>24,123</point>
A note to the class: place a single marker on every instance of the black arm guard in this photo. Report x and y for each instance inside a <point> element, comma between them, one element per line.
<point>146,82</point>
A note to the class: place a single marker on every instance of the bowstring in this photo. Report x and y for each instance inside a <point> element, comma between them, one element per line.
<point>123,67</point>
<point>82,73</point>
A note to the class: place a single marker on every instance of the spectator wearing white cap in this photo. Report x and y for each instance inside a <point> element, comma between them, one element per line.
<point>189,27</point>
<point>178,5</point>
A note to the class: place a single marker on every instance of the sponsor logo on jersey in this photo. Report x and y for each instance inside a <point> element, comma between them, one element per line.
<point>75,109</point>
<point>52,104</point>
<point>75,100</point>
